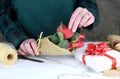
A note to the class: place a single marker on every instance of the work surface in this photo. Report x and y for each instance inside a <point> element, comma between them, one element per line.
<point>53,67</point>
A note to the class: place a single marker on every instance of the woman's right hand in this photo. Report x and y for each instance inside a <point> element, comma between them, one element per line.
<point>81,17</point>
<point>28,47</point>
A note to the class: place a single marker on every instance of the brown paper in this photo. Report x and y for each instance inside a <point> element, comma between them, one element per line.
<point>114,41</point>
<point>112,73</point>
<point>49,48</point>
<point>118,68</point>
<point>8,55</point>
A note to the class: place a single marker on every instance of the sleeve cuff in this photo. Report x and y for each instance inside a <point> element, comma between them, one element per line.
<point>17,42</point>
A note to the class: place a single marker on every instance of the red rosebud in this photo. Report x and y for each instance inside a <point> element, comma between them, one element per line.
<point>66,32</point>
<point>78,44</point>
<point>69,46</point>
<point>82,36</point>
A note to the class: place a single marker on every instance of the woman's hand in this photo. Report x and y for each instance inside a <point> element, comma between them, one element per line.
<point>80,17</point>
<point>28,47</point>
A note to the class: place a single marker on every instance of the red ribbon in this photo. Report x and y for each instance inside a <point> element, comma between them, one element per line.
<point>99,49</point>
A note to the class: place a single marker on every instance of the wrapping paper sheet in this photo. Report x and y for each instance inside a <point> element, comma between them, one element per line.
<point>98,63</point>
<point>54,67</point>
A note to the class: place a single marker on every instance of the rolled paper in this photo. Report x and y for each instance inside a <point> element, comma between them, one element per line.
<point>101,61</point>
<point>8,55</point>
<point>114,41</point>
<point>49,48</point>
<point>111,73</point>
<point>118,68</point>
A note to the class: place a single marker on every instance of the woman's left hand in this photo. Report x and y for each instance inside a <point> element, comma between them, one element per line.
<point>81,17</point>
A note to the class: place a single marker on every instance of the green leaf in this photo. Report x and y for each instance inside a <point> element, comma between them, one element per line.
<point>61,26</point>
<point>60,36</point>
<point>75,36</point>
<point>54,39</point>
<point>63,44</point>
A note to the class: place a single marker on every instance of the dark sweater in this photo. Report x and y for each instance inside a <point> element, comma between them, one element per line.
<point>43,15</point>
<point>23,19</point>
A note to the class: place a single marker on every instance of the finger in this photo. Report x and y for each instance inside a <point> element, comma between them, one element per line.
<point>90,21</point>
<point>78,20</point>
<point>23,47</point>
<point>29,49</point>
<point>21,52</point>
<point>34,47</point>
<point>85,19</point>
<point>74,15</point>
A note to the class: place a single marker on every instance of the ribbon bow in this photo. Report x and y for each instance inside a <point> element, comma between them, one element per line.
<point>97,49</point>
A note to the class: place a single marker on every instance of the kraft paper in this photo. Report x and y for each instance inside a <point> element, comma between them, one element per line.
<point>48,48</point>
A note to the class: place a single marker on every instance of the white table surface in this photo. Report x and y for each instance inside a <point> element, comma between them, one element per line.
<point>53,67</point>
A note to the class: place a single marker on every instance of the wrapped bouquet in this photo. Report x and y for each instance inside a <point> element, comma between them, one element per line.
<point>63,42</point>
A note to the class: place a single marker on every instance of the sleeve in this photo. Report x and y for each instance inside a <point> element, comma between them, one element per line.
<point>91,5</point>
<point>10,30</point>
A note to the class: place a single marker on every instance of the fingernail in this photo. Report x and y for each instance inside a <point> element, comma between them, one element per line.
<point>37,52</point>
<point>69,28</point>
<point>73,30</point>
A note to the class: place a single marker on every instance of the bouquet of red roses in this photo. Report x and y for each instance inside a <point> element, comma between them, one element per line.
<point>64,41</point>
